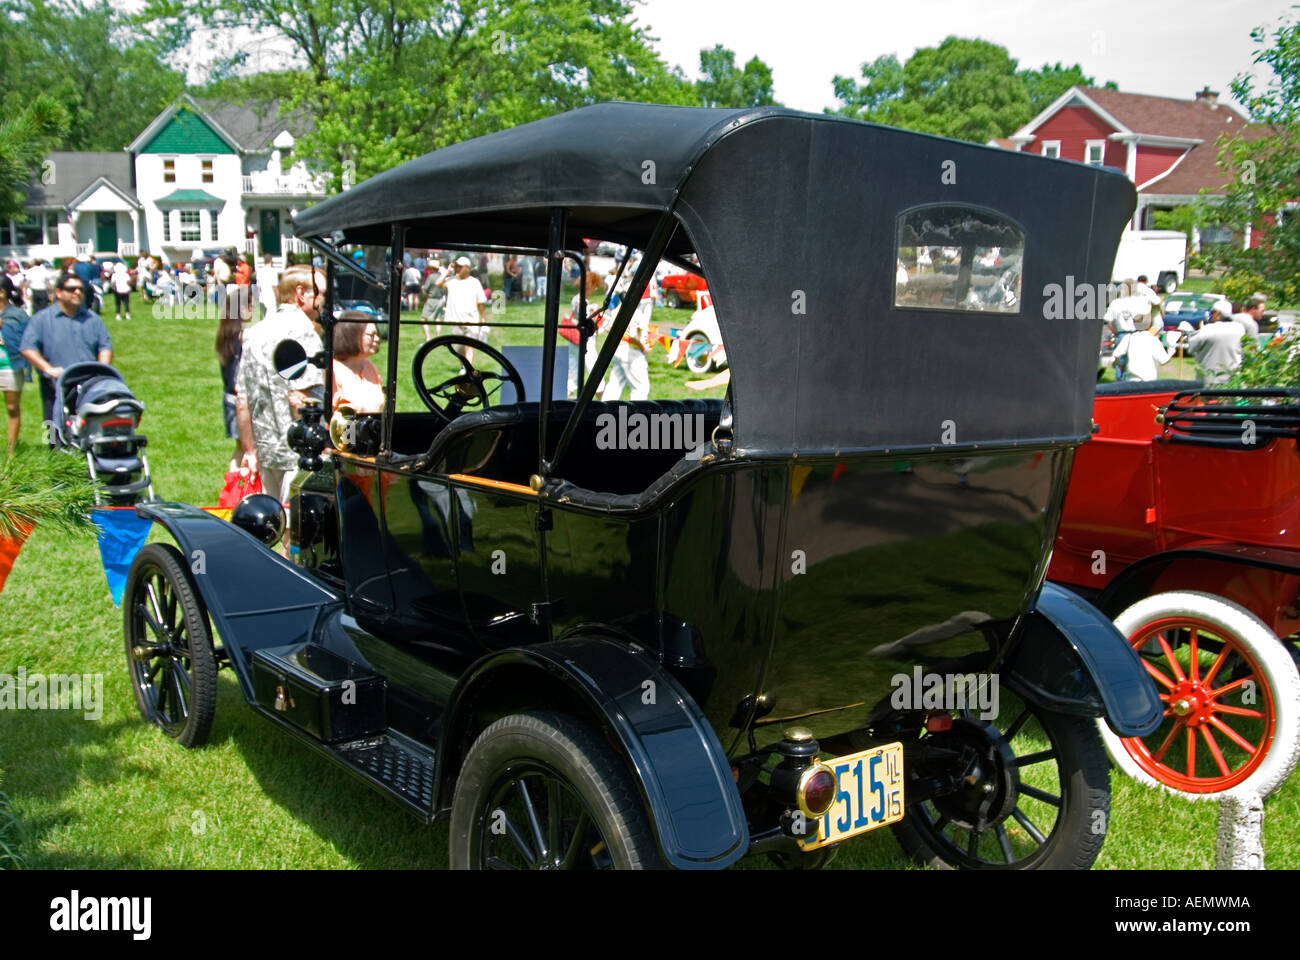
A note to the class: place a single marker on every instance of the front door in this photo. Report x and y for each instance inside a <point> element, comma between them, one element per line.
<point>268,229</point>
<point>106,232</point>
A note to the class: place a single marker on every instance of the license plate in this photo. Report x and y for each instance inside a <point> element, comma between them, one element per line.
<point>869,795</point>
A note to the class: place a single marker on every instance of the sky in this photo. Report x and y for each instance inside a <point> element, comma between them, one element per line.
<point>1160,47</point>
<point>1169,48</point>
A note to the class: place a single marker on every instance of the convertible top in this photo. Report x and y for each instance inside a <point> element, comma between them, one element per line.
<point>500,188</point>
<point>800,222</point>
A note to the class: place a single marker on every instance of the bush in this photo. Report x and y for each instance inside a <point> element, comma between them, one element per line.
<point>1276,365</point>
<point>1238,285</point>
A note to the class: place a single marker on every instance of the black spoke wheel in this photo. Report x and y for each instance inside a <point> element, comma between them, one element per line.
<point>543,791</point>
<point>472,388</point>
<point>169,646</point>
<point>1039,796</point>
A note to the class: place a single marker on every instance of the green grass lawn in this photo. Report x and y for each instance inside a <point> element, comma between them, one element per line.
<point>113,793</point>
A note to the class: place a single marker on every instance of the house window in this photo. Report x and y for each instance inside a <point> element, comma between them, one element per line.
<point>30,231</point>
<point>207,171</point>
<point>1095,152</point>
<point>1052,149</point>
<point>956,257</point>
<point>167,226</point>
<point>169,171</point>
<point>191,230</point>
<point>6,233</point>
<point>212,225</point>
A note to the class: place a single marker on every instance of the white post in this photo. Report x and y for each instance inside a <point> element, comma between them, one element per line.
<point>1241,832</point>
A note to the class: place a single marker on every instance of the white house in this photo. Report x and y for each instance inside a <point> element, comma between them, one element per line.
<point>80,202</point>
<point>202,175</point>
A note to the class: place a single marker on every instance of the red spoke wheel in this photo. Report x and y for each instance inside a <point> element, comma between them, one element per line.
<point>1231,695</point>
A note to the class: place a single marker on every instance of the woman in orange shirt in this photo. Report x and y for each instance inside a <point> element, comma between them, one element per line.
<point>357,383</point>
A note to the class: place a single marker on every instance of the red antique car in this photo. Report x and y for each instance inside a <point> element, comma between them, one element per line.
<point>682,289</point>
<point>1182,522</point>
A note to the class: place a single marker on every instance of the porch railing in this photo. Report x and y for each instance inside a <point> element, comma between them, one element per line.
<point>285,184</point>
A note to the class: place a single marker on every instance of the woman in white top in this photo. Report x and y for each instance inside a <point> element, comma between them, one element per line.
<point>1145,354</point>
<point>121,284</point>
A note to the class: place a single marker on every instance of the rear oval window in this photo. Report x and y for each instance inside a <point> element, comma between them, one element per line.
<point>956,257</point>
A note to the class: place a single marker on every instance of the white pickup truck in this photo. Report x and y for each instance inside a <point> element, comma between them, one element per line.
<point>1159,255</point>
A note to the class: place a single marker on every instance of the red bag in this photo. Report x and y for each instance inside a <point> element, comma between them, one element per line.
<point>238,486</point>
<point>569,331</point>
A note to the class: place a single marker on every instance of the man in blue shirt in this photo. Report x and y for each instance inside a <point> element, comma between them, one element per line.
<point>63,334</point>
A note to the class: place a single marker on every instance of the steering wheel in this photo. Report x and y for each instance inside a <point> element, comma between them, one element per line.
<point>470,390</point>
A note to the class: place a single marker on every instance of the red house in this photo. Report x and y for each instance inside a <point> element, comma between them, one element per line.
<point>1166,147</point>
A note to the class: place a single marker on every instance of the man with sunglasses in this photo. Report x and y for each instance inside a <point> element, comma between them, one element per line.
<point>62,334</point>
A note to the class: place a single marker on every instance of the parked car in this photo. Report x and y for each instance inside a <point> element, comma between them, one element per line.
<point>1180,522</point>
<point>593,653</point>
<point>705,352</point>
<point>1192,307</point>
<point>682,289</point>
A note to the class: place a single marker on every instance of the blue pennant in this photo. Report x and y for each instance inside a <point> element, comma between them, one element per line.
<point>121,535</point>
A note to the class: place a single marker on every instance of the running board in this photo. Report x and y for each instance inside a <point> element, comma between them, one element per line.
<point>340,707</point>
<point>393,763</point>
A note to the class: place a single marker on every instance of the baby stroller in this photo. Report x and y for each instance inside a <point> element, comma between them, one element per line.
<point>99,416</point>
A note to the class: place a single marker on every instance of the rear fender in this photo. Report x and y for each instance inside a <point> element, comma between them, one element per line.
<point>255,597</point>
<point>1264,580</point>
<point>1071,659</point>
<point>677,762</point>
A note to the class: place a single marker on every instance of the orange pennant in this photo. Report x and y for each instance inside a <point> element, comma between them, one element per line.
<point>9,553</point>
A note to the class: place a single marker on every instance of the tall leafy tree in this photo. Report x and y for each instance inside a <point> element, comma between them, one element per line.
<point>109,76</point>
<point>26,137</point>
<point>1051,80</point>
<point>388,80</point>
<point>1262,172</point>
<point>723,84</point>
<point>963,88</point>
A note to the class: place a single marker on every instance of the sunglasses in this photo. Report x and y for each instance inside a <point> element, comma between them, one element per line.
<point>75,288</point>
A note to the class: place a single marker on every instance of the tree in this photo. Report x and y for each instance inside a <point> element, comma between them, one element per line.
<point>26,138</point>
<point>1262,167</point>
<point>1051,80</point>
<point>968,89</point>
<point>389,80</point>
<point>109,76</point>
<point>722,84</point>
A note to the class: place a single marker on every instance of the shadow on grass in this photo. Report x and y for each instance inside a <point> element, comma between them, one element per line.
<point>363,825</point>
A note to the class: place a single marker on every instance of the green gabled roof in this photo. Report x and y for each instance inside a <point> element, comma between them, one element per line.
<point>189,196</point>
<point>186,132</point>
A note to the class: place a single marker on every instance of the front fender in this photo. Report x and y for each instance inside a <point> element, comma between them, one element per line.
<point>1072,659</point>
<point>678,763</point>
<point>255,597</point>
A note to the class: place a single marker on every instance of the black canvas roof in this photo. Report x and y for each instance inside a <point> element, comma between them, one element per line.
<point>796,220</point>
<point>611,164</point>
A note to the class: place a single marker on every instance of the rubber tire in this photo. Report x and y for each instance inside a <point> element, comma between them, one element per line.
<point>672,300</point>
<point>1275,662</point>
<point>582,757</point>
<point>1085,776</point>
<point>697,368</point>
<point>1170,284</point>
<point>203,663</point>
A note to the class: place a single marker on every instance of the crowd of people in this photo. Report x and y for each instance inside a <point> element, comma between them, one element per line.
<point>1142,343</point>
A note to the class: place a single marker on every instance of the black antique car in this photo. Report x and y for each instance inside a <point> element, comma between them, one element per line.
<point>824,616</point>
